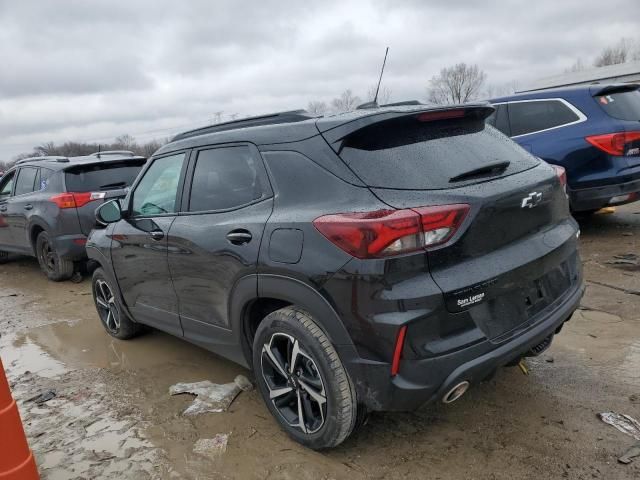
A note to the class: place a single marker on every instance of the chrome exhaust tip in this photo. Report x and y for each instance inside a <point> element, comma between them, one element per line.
<point>456,392</point>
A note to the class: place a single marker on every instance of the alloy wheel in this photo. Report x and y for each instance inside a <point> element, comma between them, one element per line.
<point>47,256</point>
<point>107,307</point>
<point>296,388</point>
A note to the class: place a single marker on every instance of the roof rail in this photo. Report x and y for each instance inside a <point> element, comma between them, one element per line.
<point>113,152</point>
<point>270,119</point>
<point>51,158</point>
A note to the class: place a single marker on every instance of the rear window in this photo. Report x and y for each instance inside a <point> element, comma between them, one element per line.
<point>408,154</point>
<point>102,177</point>
<point>621,105</point>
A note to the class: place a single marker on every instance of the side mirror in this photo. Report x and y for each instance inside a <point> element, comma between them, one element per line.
<point>109,212</point>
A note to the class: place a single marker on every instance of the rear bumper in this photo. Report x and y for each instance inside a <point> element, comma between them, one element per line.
<point>599,197</point>
<point>71,247</point>
<point>379,391</point>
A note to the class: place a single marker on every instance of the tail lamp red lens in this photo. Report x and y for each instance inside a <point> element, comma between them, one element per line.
<point>613,143</point>
<point>76,200</point>
<point>561,173</point>
<point>397,352</point>
<point>382,233</point>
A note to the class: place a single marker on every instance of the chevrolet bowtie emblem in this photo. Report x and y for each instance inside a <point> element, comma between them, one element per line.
<point>531,200</point>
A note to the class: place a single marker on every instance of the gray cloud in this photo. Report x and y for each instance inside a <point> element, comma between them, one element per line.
<point>78,70</point>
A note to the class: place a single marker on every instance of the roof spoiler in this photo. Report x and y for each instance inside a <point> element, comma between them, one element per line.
<point>125,153</point>
<point>599,90</point>
<point>334,134</point>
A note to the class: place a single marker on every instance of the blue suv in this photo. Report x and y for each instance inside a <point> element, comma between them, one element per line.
<point>593,131</point>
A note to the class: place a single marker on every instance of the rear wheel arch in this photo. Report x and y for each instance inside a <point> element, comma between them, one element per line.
<point>35,230</point>
<point>256,296</point>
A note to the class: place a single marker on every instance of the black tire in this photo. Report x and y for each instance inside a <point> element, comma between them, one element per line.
<point>317,374</point>
<point>4,257</point>
<point>52,265</point>
<point>109,307</point>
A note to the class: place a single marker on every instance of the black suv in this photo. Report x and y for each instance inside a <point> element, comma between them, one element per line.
<point>376,260</point>
<point>47,205</point>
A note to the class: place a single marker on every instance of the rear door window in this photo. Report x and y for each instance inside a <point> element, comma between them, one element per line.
<point>538,115</point>
<point>26,181</point>
<point>621,105</point>
<point>102,177</point>
<point>225,178</point>
<point>408,154</point>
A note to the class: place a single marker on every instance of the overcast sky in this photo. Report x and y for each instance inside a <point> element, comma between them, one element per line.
<point>89,70</point>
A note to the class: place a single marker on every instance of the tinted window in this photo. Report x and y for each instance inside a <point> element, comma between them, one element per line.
<point>7,185</point>
<point>97,177</point>
<point>527,117</point>
<point>622,105</point>
<point>157,191</point>
<point>224,178</point>
<point>26,181</point>
<point>408,154</point>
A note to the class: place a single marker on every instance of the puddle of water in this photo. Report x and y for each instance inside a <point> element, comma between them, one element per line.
<point>20,355</point>
<point>85,344</point>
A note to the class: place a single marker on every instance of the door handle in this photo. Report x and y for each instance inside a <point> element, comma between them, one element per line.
<point>28,206</point>
<point>156,234</point>
<point>239,236</point>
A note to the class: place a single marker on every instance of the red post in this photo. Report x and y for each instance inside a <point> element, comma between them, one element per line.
<point>16,460</point>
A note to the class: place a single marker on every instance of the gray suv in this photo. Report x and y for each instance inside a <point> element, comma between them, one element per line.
<point>47,205</point>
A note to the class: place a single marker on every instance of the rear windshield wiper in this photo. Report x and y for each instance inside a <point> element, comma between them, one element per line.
<point>109,186</point>
<point>484,171</point>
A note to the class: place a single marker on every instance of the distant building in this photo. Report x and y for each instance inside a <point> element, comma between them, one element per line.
<point>622,73</point>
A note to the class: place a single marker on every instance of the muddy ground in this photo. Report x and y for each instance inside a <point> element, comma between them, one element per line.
<point>113,417</point>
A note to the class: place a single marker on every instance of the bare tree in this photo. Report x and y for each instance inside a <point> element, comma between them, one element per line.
<point>73,149</point>
<point>217,117</point>
<point>346,102</point>
<point>577,66</point>
<point>126,142</point>
<point>457,84</point>
<point>317,107</point>
<point>384,95</point>
<point>499,90</point>
<point>613,55</point>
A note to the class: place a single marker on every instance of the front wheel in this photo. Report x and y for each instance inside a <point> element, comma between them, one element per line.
<point>302,380</point>
<point>114,320</point>
<point>54,267</point>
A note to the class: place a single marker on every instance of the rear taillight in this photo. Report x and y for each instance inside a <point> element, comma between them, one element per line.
<point>615,143</point>
<point>76,200</point>
<point>561,173</point>
<point>390,232</point>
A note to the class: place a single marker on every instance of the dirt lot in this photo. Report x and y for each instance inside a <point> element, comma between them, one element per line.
<point>113,416</point>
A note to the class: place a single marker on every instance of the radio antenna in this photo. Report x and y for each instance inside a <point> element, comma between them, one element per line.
<point>375,99</point>
<point>374,103</point>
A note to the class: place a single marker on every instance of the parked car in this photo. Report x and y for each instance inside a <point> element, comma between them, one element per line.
<point>592,131</point>
<point>47,205</point>
<point>375,260</point>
